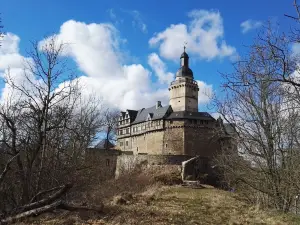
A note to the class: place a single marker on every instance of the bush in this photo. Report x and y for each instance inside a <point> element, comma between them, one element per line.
<point>168,178</point>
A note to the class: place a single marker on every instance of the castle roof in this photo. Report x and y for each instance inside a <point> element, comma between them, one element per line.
<point>190,115</point>
<point>184,70</point>
<point>132,114</point>
<point>104,144</point>
<point>154,112</point>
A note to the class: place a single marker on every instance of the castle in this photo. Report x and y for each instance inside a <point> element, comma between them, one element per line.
<point>176,129</point>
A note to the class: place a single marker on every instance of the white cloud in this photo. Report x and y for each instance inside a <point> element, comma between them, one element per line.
<point>11,63</point>
<point>159,67</point>
<point>205,92</point>
<point>249,25</point>
<point>137,21</point>
<point>204,37</point>
<point>112,14</point>
<point>96,50</point>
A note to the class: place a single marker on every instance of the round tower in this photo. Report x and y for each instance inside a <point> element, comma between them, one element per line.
<point>184,90</point>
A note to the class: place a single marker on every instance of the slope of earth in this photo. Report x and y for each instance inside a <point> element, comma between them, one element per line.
<point>180,205</point>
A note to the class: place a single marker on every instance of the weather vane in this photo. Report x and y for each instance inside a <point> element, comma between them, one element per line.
<point>184,46</point>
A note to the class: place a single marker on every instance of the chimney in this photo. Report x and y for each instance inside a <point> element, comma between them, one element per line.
<point>158,104</point>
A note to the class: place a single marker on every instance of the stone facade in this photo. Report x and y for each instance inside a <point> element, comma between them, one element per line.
<point>176,129</point>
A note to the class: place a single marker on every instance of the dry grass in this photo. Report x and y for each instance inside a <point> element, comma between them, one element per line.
<point>149,202</point>
<point>179,205</point>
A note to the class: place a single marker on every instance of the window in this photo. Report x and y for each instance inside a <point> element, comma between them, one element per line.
<point>127,131</point>
<point>121,132</point>
<point>121,143</point>
<point>170,122</point>
<point>166,145</point>
<point>126,143</point>
<point>137,149</point>
<point>107,162</point>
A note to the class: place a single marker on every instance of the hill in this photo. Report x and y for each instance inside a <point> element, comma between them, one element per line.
<point>175,205</point>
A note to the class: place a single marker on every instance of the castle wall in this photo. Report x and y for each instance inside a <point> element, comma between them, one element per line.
<point>102,161</point>
<point>127,163</point>
<point>143,138</point>
<point>148,143</point>
<point>201,141</point>
<point>174,138</point>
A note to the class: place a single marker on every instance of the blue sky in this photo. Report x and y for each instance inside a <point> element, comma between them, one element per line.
<point>141,39</point>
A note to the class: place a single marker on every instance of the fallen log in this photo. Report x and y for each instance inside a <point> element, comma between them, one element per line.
<point>45,201</point>
<point>34,198</point>
<point>48,208</point>
<point>33,212</point>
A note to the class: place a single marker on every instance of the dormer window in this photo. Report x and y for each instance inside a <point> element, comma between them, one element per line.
<point>149,117</point>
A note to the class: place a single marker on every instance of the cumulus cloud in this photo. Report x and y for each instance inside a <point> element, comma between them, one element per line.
<point>159,67</point>
<point>97,51</point>
<point>137,21</point>
<point>249,25</point>
<point>11,63</point>
<point>205,92</point>
<point>203,34</point>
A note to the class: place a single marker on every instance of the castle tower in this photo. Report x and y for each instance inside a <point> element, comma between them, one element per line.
<point>184,90</point>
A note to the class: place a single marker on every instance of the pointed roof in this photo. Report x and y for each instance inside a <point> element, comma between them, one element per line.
<point>155,112</point>
<point>184,70</point>
<point>103,144</point>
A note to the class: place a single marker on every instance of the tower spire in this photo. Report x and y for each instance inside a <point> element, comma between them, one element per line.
<point>184,58</point>
<point>184,46</point>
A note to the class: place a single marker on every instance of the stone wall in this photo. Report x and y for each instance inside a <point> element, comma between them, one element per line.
<point>200,141</point>
<point>174,138</point>
<point>146,137</point>
<point>126,163</point>
<point>148,143</point>
<point>102,161</point>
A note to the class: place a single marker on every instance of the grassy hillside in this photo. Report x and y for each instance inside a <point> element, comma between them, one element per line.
<point>175,205</point>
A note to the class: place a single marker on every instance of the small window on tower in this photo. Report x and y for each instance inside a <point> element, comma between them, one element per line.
<point>182,61</point>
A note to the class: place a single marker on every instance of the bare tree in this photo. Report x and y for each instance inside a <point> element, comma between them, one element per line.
<point>261,101</point>
<point>45,126</point>
<point>110,123</point>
